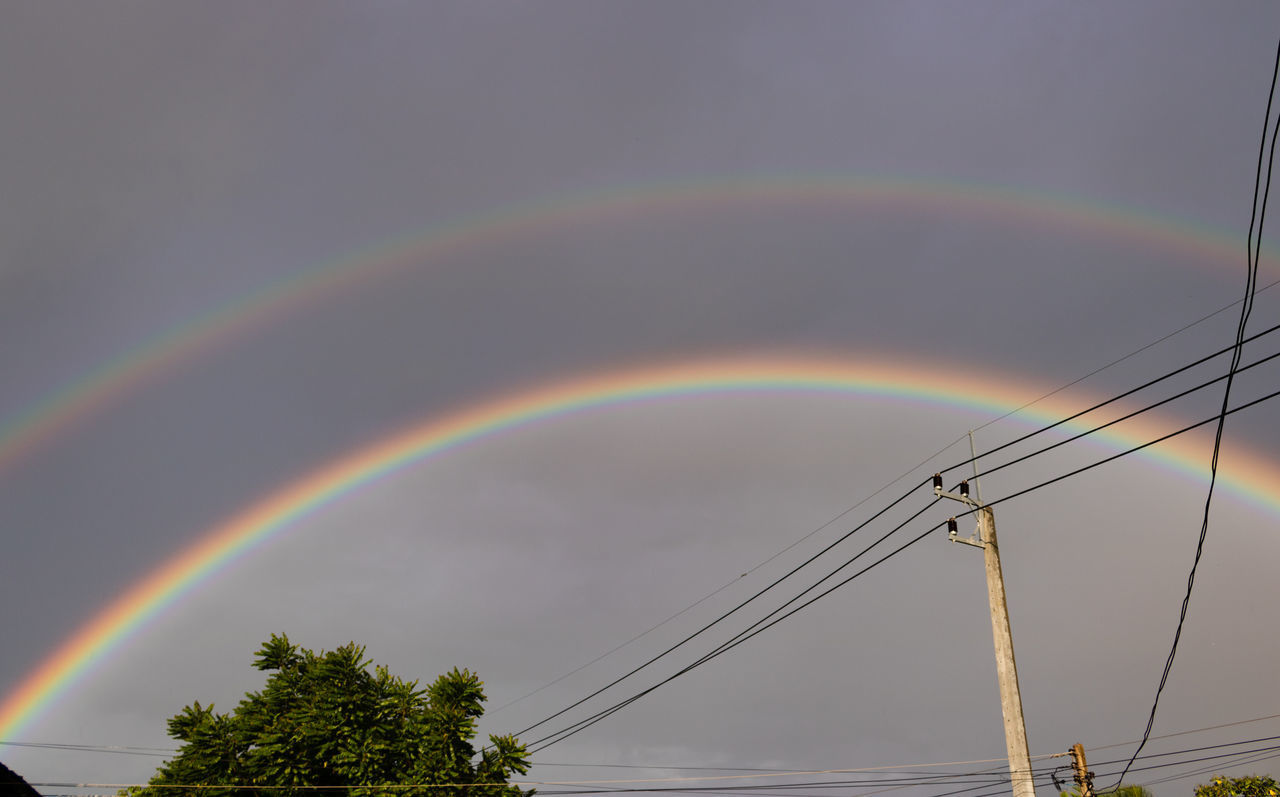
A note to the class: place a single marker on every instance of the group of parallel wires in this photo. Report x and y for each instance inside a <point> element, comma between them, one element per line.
<point>805,587</point>
<point>942,779</point>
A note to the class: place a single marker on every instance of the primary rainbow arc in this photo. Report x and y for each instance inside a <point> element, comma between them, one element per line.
<point>1249,476</point>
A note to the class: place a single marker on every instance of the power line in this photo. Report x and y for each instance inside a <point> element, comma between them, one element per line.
<point>607,786</point>
<point>581,725</point>
<point>844,512</point>
<point>730,583</point>
<point>1119,360</point>
<point>1125,417</point>
<point>1106,402</point>
<point>875,516</point>
<point>1128,451</point>
<point>565,733</point>
<point>727,614</point>
<point>1260,213</point>
<point>1193,730</point>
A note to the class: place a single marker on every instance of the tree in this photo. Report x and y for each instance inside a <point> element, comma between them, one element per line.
<point>325,719</point>
<point>1124,790</point>
<point>1248,786</point>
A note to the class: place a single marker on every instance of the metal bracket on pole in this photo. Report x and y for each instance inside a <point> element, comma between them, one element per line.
<point>962,497</point>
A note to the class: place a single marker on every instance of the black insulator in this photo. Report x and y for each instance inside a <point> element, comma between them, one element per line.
<point>964,488</point>
<point>937,481</point>
<point>951,526</point>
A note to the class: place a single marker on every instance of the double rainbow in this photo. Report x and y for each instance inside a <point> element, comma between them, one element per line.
<point>58,412</point>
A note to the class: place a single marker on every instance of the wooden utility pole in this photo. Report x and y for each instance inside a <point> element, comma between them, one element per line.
<point>1084,778</point>
<point>1015,727</point>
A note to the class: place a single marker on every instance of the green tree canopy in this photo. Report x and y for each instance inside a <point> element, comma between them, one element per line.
<point>1248,786</point>
<point>327,719</point>
<point>1124,790</point>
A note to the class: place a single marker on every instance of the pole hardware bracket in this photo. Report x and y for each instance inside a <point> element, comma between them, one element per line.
<point>962,497</point>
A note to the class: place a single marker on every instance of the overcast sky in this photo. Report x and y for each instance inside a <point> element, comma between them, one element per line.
<point>164,160</point>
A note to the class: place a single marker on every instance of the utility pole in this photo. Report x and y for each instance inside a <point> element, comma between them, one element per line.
<point>1084,778</point>
<point>1015,727</point>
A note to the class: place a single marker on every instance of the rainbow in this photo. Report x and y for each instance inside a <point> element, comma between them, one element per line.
<point>55,413</point>
<point>1249,476</point>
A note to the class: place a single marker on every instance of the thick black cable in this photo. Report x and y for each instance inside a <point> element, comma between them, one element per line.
<point>1254,252</point>
<point>565,733</point>
<point>1186,750</point>
<point>583,724</point>
<point>905,495</point>
<point>1218,757</point>
<point>546,741</point>
<point>1125,453</point>
<point>1119,360</point>
<point>1216,768</point>
<point>725,586</point>
<point>1125,417</point>
<point>730,612</point>
<point>587,722</point>
<point>1206,358</point>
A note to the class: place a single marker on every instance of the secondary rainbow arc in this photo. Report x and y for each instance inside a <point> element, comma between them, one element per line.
<point>1249,476</point>
<point>53,414</point>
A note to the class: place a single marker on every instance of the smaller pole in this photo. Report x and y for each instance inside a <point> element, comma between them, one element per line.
<point>1084,778</point>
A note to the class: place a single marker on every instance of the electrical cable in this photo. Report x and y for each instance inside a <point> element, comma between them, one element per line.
<point>565,733</point>
<point>730,612</point>
<point>730,583</point>
<point>546,741</point>
<point>880,513</point>
<point>1125,417</point>
<point>1119,360</point>
<point>928,459</point>
<point>1254,253</point>
<point>1112,400</point>
<point>1193,730</point>
<point>88,748</point>
<point>1124,453</point>
<point>992,774</point>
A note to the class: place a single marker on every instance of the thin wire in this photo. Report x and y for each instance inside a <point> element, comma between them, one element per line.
<point>87,748</point>
<point>730,583</point>
<point>1200,749</point>
<point>1115,362</point>
<point>1194,730</point>
<point>1111,400</point>
<point>1126,417</point>
<point>771,586</point>
<point>1124,453</point>
<point>1254,252</point>
<point>725,615</point>
<point>581,725</point>
<point>565,733</point>
<point>897,782</point>
<point>863,501</point>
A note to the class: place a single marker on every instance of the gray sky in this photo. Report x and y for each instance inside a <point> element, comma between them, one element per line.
<point>162,160</point>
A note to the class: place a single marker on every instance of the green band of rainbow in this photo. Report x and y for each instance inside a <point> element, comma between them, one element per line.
<point>55,413</point>
<point>1247,476</point>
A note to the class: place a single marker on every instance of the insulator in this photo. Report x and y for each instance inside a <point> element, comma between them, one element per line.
<point>937,481</point>
<point>964,488</point>
<point>951,527</point>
